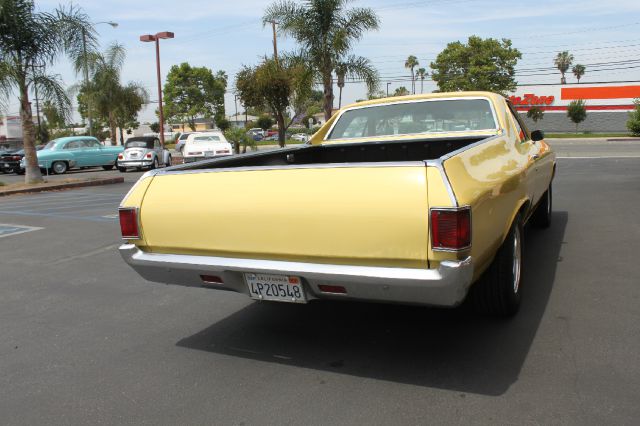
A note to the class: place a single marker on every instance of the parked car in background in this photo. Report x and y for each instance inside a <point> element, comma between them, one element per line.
<point>60,155</point>
<point>143,152</point>
<point>302,137</point>
<point>181,141</point>
<point>10,161</point>
<point>271,138</point>
<point>206,145</point>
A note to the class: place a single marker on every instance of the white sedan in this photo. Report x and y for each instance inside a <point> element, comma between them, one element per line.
<point>206,145</point>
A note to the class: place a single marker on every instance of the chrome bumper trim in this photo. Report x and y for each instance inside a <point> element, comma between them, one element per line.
<point>445,286</point>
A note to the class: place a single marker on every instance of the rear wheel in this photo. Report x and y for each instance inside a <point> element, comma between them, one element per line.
<point>109,167</point>
<point>59,167</point>
<point>168,162</point>
<point>498,291</point>
<point>122,169</point>
<point>541,217</point>
<point>19,171</point>
<point>154,165</point>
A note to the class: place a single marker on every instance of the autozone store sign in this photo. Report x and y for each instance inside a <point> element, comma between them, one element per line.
<point>598,97</point>
<point>530,99</point>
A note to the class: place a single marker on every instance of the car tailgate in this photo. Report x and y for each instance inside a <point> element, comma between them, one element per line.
<point>354,215</point>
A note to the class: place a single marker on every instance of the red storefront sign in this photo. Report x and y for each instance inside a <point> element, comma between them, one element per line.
<point>529,99</point>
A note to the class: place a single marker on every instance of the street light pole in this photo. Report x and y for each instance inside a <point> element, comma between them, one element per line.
<point>156,38</point>
<point>388,83</point>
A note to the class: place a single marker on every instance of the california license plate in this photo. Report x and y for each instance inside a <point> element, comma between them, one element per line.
<point>208,153</point>
<point>280,288</point>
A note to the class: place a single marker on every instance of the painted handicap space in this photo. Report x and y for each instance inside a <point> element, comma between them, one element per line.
<point>8,229</point>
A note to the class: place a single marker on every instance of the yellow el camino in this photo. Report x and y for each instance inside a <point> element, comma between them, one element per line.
<point>415,200</point>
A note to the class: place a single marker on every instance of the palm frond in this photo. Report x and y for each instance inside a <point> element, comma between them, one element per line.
<point>50,88</point>
<point>361,67</point>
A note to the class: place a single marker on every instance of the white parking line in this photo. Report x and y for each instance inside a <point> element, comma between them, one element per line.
<point>35,203</point>
<point>75,206</point>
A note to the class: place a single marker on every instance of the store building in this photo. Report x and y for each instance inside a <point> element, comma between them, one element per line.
<point>607,104</point>
<point>10,131</point>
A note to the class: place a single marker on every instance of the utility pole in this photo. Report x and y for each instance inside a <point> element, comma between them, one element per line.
<point>388,83</point>
<point>35,89</point>
<point>86,79</point>
<point>275,41</point>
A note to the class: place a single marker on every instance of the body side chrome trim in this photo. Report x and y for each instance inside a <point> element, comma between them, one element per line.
<point>445,178</point>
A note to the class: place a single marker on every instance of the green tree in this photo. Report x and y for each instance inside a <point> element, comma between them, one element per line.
<point>578,70</point>
<point>31,41</point>
<point>327,31</point>
<point>238,137</point>
<point>112,103</point>
<point>401,91</point>
<point>411,63</point>
<point>155,127</point>
<point>193,92</point>
<point>535,113</point>
<point>55,119</point>
<point>421,73</point>
<point>634,119</point>
<point>563,62</point>
<point>481,64</point>
<point>223,124</point>
<point>264,122</point>
<point>577,112</point>
<point>132,97</point>
<point>277,85</point>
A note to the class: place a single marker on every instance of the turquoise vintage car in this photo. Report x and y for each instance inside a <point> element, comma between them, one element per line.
<point>62,154</point>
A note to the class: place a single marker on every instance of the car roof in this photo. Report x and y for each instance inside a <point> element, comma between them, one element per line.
<point>73,138</point>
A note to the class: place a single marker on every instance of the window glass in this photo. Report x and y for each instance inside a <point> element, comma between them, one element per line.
<point>74,145</point>
<point>447,115</point>
<point>209,138</point>
<point>91,143</point>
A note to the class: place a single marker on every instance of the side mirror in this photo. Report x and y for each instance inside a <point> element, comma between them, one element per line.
<point>537,135</point>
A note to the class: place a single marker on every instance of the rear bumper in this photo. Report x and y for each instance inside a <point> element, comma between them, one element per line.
<point>445,286</point>
<point>135,163</point>
<point>193,159</point>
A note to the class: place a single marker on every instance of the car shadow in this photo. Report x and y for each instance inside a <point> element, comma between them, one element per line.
<point>451,349</point>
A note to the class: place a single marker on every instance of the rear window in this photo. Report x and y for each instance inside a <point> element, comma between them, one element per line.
<point>136,144</point>
<point>206,139</point>
<point>447,115</point>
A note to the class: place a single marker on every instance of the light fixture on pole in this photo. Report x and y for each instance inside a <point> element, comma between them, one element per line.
<point>86,67</point>
<point>156,37</point>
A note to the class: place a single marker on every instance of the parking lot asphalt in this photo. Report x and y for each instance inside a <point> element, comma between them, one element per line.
<point>85,340</point>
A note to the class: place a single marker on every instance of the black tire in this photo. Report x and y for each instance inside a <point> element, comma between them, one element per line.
<point>154,165</point>
<point>541,217</point>
<point>109,167</point>
<point>168,162</point>
<point>59,167</point>
<point>19,171</point>
<point>122,169</point>
<point>498,291</point>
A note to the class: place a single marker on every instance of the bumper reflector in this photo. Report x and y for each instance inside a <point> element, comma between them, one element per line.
<point>211,279</point>
<point>336,289</point>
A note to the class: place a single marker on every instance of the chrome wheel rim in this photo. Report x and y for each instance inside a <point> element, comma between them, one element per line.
<point>59,167</point>
<point>517,258</point>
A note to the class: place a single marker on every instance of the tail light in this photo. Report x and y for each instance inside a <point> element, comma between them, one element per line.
<point>451,228</point>
<point>16,158</point>
<point>129,223</point>
<point>148,155</point>
<point>120,157</point>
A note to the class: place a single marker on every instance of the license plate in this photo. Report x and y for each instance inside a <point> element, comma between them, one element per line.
<point>208,153</point>
<point>280,288</point>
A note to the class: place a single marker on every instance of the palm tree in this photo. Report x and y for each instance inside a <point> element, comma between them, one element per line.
<point>326,31</point>
<point>411,63</point>
<point>421,73</point>
<point>578,70</point>
<point>29,42</point>
<point>114,103</point>
<point>401,91</point>
<point>563,61</point>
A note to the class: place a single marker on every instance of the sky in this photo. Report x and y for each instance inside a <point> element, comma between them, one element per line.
<point>224,35</point>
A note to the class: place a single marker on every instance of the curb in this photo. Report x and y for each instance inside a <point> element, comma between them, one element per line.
<point>62,186</point>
